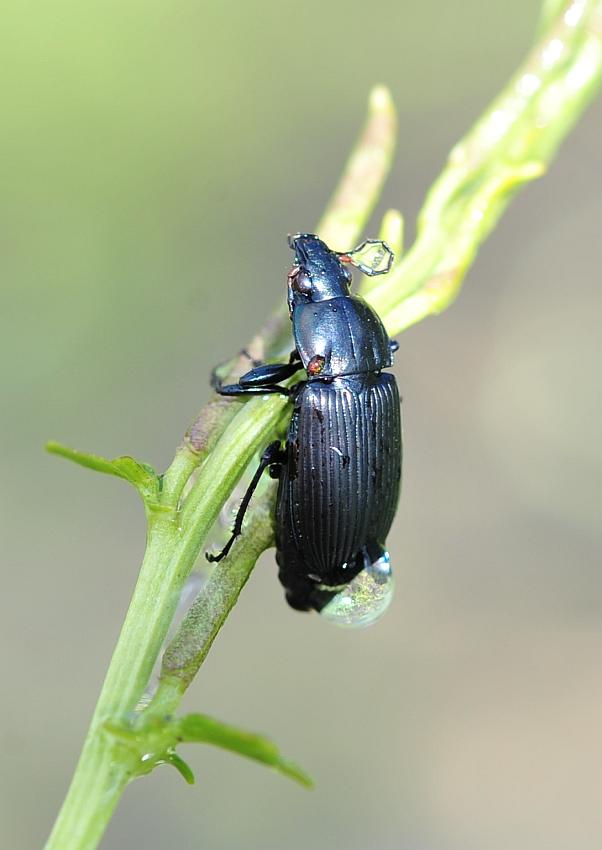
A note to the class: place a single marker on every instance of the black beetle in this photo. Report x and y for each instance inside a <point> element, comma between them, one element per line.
<point>340,470</point>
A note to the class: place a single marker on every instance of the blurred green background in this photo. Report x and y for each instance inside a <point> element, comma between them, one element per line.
<point>153,157</point>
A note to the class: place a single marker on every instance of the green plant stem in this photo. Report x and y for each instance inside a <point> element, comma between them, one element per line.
<point>189,648</point>
<point>174,541</point>
<point>511,144</point>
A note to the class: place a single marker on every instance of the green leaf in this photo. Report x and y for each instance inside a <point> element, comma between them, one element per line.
<point>181,766</point>
<point>141,475</point>
<point>360,186</point>
<point>199,728</point>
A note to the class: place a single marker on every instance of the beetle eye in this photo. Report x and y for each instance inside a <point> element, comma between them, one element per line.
<point>300,281</point>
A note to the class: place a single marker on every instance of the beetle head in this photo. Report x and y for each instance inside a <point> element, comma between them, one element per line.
<point>318,274</point>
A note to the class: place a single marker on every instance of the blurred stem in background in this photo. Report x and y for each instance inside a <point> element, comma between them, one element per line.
<point>511,144</point>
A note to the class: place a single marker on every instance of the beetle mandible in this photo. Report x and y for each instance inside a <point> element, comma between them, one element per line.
<point>340,469</point>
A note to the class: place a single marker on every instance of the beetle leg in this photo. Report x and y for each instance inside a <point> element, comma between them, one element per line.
<point>269,374</point>
<point>271,457</point>
<point>235,390</point>
<point>393,346</point>
<point>215,378</point>
<point>261,380</point>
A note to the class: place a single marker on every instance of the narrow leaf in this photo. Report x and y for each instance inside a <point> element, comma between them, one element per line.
<point>141,475</point>
<point>359,188</point>
<point>391,230</point>
<point>181,766</point>
<point>199,728</point>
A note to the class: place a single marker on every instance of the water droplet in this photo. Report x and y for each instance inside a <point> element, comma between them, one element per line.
<point>372,257</point>
<point>365,599</point>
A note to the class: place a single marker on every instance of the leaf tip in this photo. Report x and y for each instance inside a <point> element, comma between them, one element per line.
<point>182,767</point>
<point>380,99</point>
<point>391,230</point>
<point>293,771</point>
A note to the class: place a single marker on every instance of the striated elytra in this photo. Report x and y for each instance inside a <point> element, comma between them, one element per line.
<point>340,469</point>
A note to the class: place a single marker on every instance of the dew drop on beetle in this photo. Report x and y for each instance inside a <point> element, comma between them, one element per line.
<point>365,599</point>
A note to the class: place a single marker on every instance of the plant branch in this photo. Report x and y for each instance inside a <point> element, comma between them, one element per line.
<point>512,143</point>
<point>175,539</point>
